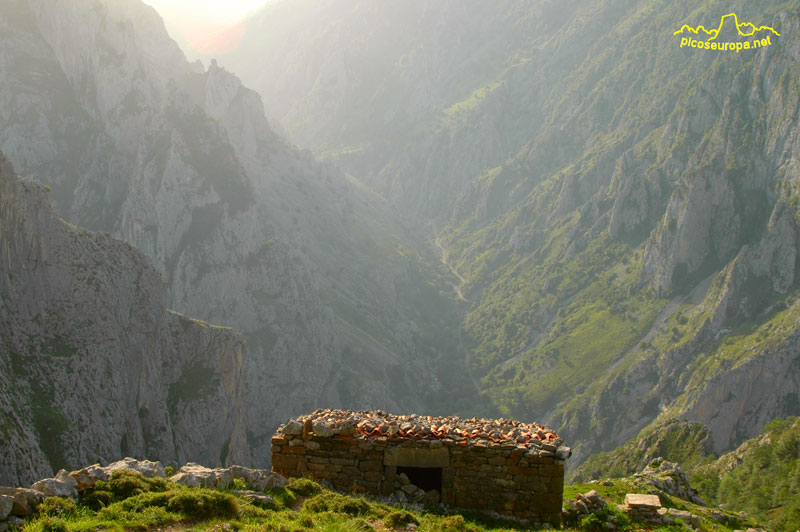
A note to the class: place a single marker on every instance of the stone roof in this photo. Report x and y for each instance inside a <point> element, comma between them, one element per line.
<point>458,431</point>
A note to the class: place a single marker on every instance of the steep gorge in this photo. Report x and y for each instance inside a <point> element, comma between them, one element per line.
<point>623,210</point>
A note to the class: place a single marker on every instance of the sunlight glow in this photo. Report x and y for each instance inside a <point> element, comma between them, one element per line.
<point>195,21</point>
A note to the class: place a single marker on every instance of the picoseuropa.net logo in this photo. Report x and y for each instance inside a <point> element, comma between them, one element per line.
<point>703,39</point>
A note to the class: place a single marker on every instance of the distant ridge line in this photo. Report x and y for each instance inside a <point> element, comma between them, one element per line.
<point>715,32</point>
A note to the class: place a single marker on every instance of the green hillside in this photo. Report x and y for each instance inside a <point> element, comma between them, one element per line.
<point>626,257</point>
<point>761,477</point>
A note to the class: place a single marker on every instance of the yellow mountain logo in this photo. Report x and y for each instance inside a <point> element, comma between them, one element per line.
<point>703,38</point>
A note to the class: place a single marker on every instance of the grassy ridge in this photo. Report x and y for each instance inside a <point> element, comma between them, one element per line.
<point>131,503</point>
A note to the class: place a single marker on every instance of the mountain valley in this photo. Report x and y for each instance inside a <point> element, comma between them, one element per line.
<point>621,210</point>
<point>548,211</point>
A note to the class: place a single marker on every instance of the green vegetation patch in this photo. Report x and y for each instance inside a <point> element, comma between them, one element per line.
<point>684,442</point>
<point>304,487</point>
<point>196,382</point>
<point>50,423</point>
<point>57,507</point>
<point>121,486</point>
<point>761,477</point>
<point>334,502</point>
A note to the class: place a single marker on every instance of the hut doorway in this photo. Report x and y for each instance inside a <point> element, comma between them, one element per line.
<point>425,478</point>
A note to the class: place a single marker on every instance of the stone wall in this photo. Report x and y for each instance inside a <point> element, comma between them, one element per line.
<point>506,478</point>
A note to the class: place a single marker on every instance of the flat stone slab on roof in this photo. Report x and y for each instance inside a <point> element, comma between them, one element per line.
<point>639,500</point>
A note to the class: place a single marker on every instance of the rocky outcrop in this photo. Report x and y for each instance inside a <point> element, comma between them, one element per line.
<point>760,389</point>
<point>760,273</point>
<point>62,485</point>
<point>589,503</point>
<point>93,365</point>
<point>699,229</point>
<point>193,475</point>
<point>16,504</point>
<point>88,476</point>
<point>669,478</point>
<point>645,507</point>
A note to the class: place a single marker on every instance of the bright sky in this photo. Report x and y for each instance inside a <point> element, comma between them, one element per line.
<point>195,20</point>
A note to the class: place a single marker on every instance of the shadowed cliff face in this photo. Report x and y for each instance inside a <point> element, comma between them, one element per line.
<point>338,303</point>
<point>93,365</point>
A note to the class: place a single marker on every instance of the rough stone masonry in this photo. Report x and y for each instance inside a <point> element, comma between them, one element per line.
<point>512,468</point>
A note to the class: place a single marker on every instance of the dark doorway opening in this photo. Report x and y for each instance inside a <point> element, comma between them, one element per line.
<point>425,478</point>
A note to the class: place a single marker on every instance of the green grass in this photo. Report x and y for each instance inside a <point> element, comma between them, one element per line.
<point>137,504</point>
<point>606,317</point>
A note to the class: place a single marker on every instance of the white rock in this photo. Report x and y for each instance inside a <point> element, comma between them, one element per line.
<point>195,475</point>
<point>145,467</point>
<point>258,479</point>
<point>293,428</point>
<point>563,452</point>
<point>25,500</point>
<point>52,487</point>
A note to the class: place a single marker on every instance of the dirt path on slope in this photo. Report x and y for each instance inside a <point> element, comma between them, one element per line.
<point>453,270</point>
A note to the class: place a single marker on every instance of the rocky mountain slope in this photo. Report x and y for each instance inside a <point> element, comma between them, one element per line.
<point>337,303</point>
<point>92,365</point>
<point>758,477</point>
<point>622,210</point>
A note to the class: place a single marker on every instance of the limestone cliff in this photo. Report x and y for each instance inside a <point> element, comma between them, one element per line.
<point>338,304</point>
<point>92,365</point>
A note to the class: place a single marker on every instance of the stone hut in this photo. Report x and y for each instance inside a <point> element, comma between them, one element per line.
<point>512,468</point>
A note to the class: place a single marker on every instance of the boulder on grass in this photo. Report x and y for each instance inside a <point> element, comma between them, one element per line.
<point>195,475</point>
<point>62,485</point>
<point>25,500</point>
<point>145,467</point>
